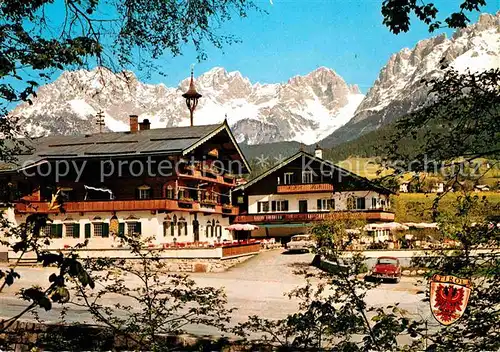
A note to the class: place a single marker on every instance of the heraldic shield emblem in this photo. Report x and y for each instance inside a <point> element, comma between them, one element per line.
<point>449,297</point>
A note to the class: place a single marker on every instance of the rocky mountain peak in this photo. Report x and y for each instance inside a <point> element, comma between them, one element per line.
<point>307,108</point>
<point>398,89</point>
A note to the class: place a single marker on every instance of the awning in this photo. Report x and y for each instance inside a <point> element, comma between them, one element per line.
<point>270,226</point>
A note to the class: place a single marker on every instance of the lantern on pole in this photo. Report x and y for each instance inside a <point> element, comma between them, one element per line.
<point>191,97</point>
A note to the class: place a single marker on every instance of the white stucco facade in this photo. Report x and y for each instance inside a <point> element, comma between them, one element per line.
<point>151,226</point>
<point>373,200</point>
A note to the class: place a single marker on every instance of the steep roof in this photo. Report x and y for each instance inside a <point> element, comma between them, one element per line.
<point>326,162</point>
<point>171,140</point>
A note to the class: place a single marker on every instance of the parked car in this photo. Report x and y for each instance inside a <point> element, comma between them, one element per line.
<point>386,268</point>
<point>300,243</point>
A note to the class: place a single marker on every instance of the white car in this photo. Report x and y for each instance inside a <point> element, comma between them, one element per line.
<point>302,243</point>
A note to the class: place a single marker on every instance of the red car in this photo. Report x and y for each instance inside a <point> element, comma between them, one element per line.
<point>386,268</point>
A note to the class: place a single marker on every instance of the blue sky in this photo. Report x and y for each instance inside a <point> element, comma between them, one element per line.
<point>297,36</point>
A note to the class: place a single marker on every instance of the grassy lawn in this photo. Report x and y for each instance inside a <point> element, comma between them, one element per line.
<point>417,207</point>
<point>369,168</point>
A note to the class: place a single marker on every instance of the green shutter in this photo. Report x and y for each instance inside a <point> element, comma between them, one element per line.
<point>138,227</point>
<point>121,228</point>
<point>87,230</point>
<point>318,204</point>
<point>286,205</point>
<point>273,205</point>
<point>105,229</point>
<point>53,231</point>
<point>59,232</point>
<point>76,230</point>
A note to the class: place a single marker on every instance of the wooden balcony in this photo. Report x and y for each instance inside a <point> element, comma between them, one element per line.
<point>368,215</point>
<point>198,175</point>
<point>305,188</point>
<point>126,205</point>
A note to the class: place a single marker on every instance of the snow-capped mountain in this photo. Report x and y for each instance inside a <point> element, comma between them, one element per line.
<point>399,90</point>
<point>306,108</point>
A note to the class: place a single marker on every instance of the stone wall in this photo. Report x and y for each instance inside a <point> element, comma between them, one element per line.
<point>202,265</point>
<point>28,336</point>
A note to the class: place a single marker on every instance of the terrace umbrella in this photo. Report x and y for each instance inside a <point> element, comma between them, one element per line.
<point>243,227</point>
<point>422,225</point>
<point>393,226</point>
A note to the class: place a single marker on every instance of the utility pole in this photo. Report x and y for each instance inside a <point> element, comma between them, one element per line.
<point>100,120</point>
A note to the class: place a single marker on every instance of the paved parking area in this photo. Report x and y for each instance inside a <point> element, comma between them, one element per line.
<point>257,286</point>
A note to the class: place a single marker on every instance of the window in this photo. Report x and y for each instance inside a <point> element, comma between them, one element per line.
<point>47,230</point>
<point>166,228</point>
<point>307,177</point>
<point>182,228</point>
<point>53,230</point>
<point>240,200</point>
<point>144,192</point>
<point>133,227</point>
<point>262,207</point>
<point>98,229</point>
<point>351,203</point>
<point>288,178</point>
<point>170,192</point>
<point>66,194</point>
<point>72,230</point>
<point>279,205</point>
<point>360,203</point>
<point>326,204</point>
<point>374,203</point>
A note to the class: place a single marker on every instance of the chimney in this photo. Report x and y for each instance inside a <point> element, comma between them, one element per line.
<point>134,123</point>
<point>144,125</point>
<point>318,152</point>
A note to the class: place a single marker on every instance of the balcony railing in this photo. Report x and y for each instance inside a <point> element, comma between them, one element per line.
<point>126,205</point>
<point>305,188</point>
<point>192,173</point>
<point>369,215</point>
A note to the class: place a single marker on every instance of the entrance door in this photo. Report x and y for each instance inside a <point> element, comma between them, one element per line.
<point>302,206</point>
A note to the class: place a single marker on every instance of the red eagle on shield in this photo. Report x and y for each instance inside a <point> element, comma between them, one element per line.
<point>449,298</point>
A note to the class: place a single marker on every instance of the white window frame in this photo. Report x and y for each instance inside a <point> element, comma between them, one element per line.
<point>68,229</point>
<point>144,193</point>
<point>261,207</point>
<point>129,227</point>
<point>280,205</point>
<point>288,178</point>
<point>307,174</point>
<point>324,204</point>
<point>95,227</point>
<point>356,203</point>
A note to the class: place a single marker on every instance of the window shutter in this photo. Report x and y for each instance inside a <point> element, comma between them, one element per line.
<point>138,227</point>
<point>332,204</point>
<point>285,205</point>
<point>105,229</point>
<point>259,207</point>
<point>59,230</point>
<point>121,228</point>
<point>318,204</point>
<point>76,230</point>
<point>273,205</point>
<point>87,230</point>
